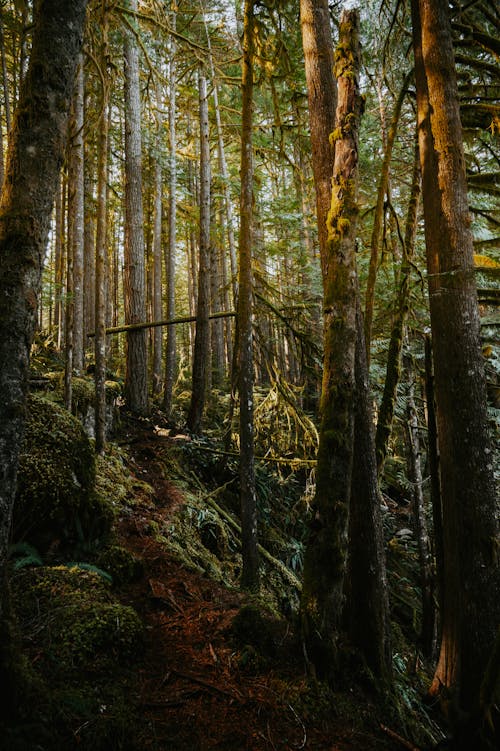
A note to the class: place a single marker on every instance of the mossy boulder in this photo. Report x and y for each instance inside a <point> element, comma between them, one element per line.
<point>77,619</point>
<point>82,645</point>
<point>56,500</point>
<point>120,564</point>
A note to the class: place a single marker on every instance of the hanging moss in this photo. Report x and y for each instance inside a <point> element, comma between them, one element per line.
<point>56,498</point>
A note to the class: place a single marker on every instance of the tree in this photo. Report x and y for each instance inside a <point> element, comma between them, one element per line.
<point>36,148</point>
<point>322,96</point>
<point>136,378</point>
<point>248,501</point>
<point>326,553</point>
<point>471,607</point>
<point>172,224</point>
<point>202,338</point>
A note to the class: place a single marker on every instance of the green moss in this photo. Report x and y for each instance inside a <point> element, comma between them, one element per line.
<point>120,564</point>
<point>78,620</point>
<point>56,499</point>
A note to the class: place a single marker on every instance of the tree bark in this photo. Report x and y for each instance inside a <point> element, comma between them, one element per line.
<point>471,606</point>
<point>170,359</point>
<point>136,377</point>
<point>248,500</point>
<point>100,251</point>
<point>367,602</point>
<point>322,96</point>
<point>202,337</point>
<point>326,552</point>
<point>36,148</point>
<point>393,370</point>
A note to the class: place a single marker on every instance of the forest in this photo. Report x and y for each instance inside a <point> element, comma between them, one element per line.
<point>249,375</point>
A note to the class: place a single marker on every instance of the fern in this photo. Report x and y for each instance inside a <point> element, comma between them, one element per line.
<point>25,555</point>
<point>90,567</point>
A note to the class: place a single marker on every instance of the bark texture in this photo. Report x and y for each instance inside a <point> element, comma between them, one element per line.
<point>36,149</point>
<point>202,338</point>
<point>471,604</point>
<point>326,553</point>
<point>250,572</point>
<point>136,380</point>
<point>322,96</point>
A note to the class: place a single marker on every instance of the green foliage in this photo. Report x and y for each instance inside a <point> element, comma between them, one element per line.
<point>23,554</point>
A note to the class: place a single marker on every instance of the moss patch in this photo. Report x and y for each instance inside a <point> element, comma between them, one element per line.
<point>56,500</point>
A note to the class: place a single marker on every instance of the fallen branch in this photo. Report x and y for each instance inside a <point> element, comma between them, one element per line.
<point>170,322</point>
<point>294,461</point>
<point>399,738</point>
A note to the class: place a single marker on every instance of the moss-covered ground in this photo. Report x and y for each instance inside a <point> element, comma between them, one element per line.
<point>140,639</point>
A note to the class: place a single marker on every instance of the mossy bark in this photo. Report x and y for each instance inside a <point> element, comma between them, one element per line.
<point>326,552</point>
<point>367,618</point>
<point>248,500</point>
<point>36,149</point>
<point>471,606</point>
<point>393,369</point>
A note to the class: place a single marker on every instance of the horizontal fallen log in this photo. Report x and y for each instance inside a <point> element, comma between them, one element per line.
<point>154,324</point>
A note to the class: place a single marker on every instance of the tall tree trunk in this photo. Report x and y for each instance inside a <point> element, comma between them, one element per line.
<point>136,376</point>
<point>322,96</point>
<point>427,631</point>
<point>326,552</point>
<point>202,338</point>
<point>58,264</point>
<point>393,370</point>
<point>170,359</point>
<point>367,603</point>
<point>248,500</point>
<point>471,606</point>
<point>76,216</point>
<point>101,251</point>
<point>376,237</point>
<point>157,248</point>
<point>36,148</point>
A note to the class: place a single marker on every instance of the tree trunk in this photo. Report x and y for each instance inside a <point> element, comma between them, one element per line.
<point>136,377</point>
<point>471,606</point>
<point>101,253</point>
<point>326,552</point>
<point>427,630</point>
<point>36,148</point>
<point>393,370</point>
<point>76,216</point>
<point>367,603</point>
<point>322,97</point>
<point>170,359</point>
<point>379,216</point>
<point>248,500</point>
<point>202,337</point>
<point>157,308</point>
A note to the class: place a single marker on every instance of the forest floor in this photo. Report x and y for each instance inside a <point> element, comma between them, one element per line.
<point>197,688</point>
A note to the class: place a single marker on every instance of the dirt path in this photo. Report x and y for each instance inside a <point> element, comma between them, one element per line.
<point>195,690</point>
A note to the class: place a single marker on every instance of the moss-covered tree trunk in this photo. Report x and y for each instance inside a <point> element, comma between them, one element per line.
<point>36,147</point>
<point>326,552</point>
<point>136,375</point>
<point>322,97</point>
<point>100,249</point>
<point>201,356</point>
<point>393,369</point>
<point>471,576</point>
<point>366,619</point>
<point>378,219</point>
<point>248,501</point>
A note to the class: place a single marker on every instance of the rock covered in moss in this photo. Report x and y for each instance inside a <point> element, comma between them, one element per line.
<point>77,620</point>
<point>122,565</point>
<point>56,499</point>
